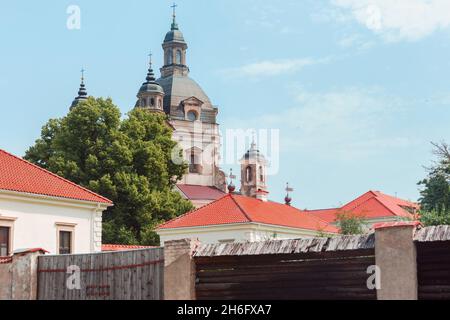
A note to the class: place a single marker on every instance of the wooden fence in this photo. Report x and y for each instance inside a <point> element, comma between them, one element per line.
<point>128,275</point>
<point>433,263</point>
<point>292,269</point>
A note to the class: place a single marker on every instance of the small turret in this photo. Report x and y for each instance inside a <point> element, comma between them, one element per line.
<point>82,92</point>
<point>151,94</point>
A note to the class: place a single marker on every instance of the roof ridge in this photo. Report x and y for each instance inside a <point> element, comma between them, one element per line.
<point>191,212</point>
<point>355,200</point>
<point>240,208</point>
<point>56,176</point>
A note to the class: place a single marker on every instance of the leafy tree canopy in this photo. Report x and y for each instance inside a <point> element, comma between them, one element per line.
<point>350,224</point>
<point>126,160</point>
<point>435,193</point>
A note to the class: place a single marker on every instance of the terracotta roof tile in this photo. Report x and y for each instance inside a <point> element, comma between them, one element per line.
<point>232,209</point>
<point>19,175</point>
<point>372,204</point>
<point>193,192</point>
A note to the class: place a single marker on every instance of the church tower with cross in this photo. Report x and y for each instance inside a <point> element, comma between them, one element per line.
<point>82,92</point>
<point>151,94</point>
<point>254,173</point>
<point>190,112</point>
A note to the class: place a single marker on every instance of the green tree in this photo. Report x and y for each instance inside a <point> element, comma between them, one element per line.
<point>435,192</point>
<point>129,161</point>
<point>350,224</point>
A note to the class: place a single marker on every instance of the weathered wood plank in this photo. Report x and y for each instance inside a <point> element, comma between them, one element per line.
<point>291,246</point>
<point>104,276</point>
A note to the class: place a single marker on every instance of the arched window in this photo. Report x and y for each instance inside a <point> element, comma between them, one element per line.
<point>261,174</point>
<point>169,57</point>
<point>159,103</point>
<point>178,59</point>
<point>192,116</point>
<point>195,162</point>
<point>143,102</point>
<point>248,174</point>
<point>152,102</point>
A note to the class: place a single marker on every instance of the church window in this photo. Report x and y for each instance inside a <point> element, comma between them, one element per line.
<point>248,174</point>
<point>169,57</point>
<point>261,174</point>
<point>152,101</point>
<point>178,60</point>
<point>192,115</point>
<point>194,163</point>
<point>143,102</point>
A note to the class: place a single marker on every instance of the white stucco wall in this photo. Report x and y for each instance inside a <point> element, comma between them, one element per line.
<point>246,232</point>
<point>36,218</point>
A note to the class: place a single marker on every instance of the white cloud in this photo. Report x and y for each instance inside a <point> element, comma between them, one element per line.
<point>272,67</point>
<point>344,124</point>
<point>398,20</point>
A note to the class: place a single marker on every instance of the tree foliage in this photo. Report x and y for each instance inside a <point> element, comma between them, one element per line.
<point>435,193</point>
<point>350,224</point>
<point>126,160</point>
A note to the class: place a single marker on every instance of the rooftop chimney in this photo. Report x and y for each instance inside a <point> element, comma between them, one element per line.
<point>262,195</point>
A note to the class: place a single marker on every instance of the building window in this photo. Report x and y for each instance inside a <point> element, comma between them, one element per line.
<point>143,102</point>
<point>178,60</point>
<point>192,116</point>
<point>169,57</point>
<point>5,240</point>
<point>152,102</point>
<point>65,242</point>
<point>65,233</point>
<point>194,163</point>
<point>248,174</point>
<point>261,174</point>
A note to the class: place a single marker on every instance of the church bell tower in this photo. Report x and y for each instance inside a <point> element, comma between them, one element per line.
<point>253,174</point>
<point>174,47</point>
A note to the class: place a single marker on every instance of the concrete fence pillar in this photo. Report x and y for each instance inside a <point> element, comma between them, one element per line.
<point>395,255</point>
<point>19,277</point>
<point>179,269</point>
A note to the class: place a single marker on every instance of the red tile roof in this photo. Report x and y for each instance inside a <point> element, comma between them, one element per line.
<point>372,204</point>
<point>120,247</point>
<point>233,209</point>
<point>193,192</point>
<point>19,175</point>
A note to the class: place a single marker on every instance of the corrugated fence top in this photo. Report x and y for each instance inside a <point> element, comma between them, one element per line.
<point>306,245</point>
<point>313,245</point>
<point>436,233</point>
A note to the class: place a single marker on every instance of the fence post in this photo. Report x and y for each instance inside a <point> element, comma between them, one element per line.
<point>395,255</point>
<point>24,274</point>
<point>179,269</point>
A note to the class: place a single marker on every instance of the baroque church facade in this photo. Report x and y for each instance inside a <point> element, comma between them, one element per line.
<point>193,118</point>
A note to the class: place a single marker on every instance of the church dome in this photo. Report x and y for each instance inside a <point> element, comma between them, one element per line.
<point>179,88</point>
<point>174,36</point>
<point>151,88</point>
<point>150,85</point>
<point>254,154</point>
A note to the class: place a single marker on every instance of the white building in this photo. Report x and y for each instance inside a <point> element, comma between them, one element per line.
<point>39,209</point>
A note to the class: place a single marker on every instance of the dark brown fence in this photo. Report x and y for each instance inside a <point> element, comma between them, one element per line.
<point>433,263</point>
<point>291,269</point>
<point>128,275</point>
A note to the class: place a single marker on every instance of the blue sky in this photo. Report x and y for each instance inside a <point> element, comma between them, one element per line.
<point>357,89</point>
